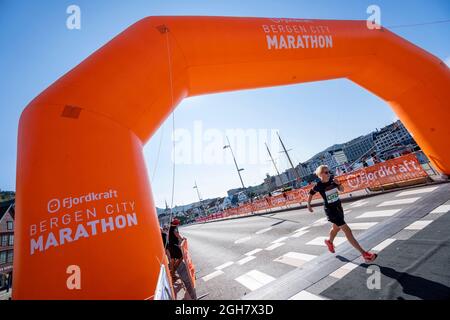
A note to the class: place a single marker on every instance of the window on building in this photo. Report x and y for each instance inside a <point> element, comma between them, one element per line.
<point>2,257</point>
<point>10,257</point>
<point>11,239</point>
<point>4,240</point>
<point>10,225</point>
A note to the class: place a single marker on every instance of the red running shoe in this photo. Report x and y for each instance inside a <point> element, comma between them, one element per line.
<point>369,257</point>
<point>330,245</point>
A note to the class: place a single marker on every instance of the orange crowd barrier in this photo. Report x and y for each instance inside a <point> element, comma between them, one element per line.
<point>188,261</point>
<point>398,170</point>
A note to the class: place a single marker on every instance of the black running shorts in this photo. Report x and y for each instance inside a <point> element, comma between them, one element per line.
<point>335,214</point>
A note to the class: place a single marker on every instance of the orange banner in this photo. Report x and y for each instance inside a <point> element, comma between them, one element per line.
<point>397,170</point>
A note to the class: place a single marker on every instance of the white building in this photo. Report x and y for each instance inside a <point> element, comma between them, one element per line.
<point>390,135</point>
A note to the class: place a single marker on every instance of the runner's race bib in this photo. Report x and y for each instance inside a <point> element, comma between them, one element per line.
<point>332,195</point>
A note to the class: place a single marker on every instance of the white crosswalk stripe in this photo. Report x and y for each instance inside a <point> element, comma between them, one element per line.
<point>344,270</point>
<point>320,222</point>
<point>398,202</point>
<point>442,209</point>
<point>263,230</point>
<point>378,214</point>
<point>319,241</point>
<point>295,259</point>
<point>280,240</point>
<point>418,225</point>
<point>250,253</point>
<point>361,225</point>
<point>274,246</point>
<point>383,244</point>
<point>242,240</point>
<point>299,234</point>
<point>245,260</point>
<point>418,191</point>
<point>225,265</point>
<point>254,279</point>
<point>212,275</point>
<point>302,229</point>
<point>305,295</point>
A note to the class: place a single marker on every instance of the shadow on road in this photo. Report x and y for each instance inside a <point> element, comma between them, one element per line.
<point>411,285</point>
<point>414,285</point>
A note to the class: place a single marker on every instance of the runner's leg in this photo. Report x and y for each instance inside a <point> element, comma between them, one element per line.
<point>349,234</point>
<point>333,232</point>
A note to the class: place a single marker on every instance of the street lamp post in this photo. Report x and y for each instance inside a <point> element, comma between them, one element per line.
<point>199,197</point>
<point>235,163</point>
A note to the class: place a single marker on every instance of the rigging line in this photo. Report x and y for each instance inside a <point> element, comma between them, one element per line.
<point>173,120</point>
<point>166,30</point>
<point>158,154</point>
<point>418,24</point>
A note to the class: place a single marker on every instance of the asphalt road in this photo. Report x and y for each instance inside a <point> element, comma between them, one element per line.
<point>236,257</point>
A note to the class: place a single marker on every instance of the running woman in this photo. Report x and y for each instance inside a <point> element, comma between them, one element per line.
<point>328,187</point>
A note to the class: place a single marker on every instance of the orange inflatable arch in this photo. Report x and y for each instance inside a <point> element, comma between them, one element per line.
<point>86,224</point>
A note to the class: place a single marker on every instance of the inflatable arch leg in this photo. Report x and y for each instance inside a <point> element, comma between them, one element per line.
<point>86,226</point>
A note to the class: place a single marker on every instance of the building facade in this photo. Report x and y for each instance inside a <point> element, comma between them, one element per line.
<point>392,135</point>
<point>6,241</point>
<point>358,147</point>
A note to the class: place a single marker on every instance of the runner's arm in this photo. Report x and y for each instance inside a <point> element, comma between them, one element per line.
<point>339,186</point>
<point>310,196</point>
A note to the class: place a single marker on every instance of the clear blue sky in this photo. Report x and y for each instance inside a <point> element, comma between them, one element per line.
<point>36,48</point>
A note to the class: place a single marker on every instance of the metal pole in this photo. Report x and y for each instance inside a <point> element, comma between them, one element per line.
<point>235,163</point>
<point>273,161</point>
<point>289,158</point>
<point>199,197</point>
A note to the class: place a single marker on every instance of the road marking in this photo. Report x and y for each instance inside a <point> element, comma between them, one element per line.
<point>442,209</point>
<point>242,240</point>
<point>383,244</point>
<point>418,191</point>
<point>344,270</point>
<point>250,253</point>
<point>295,259</point>
<point>263,230</point>
<point>305,295</point>
<point>319,241</point>
<point>279,240</point>
<point>299,234</point>
<point>378,214</point>
<point>359,203</point>
<point>274,246</point>
<point>212,275</point>
<point>361,225</point>
<point>320,222</point>
<point>397,202</point>
<point>418,225</point>
<point>225,265</point>
<point>245,260</point>
<point>347,211</point>
<point>254,279</point>
<point>302,229</point>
